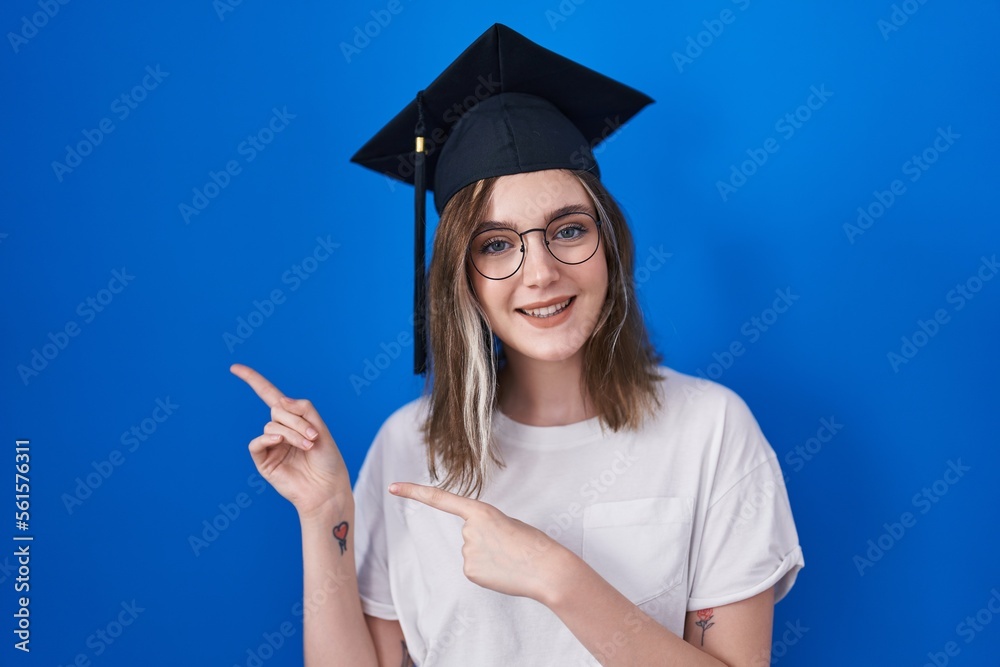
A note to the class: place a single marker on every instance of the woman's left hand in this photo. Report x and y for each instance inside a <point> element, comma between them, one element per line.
<point>500,553</point>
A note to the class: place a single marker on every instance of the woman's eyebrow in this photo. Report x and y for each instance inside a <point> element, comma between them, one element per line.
<point>571,208</point>
<point>493,224</point>
<point>552,215</point>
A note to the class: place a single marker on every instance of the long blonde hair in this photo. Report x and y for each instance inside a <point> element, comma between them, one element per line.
<point>465,357</point>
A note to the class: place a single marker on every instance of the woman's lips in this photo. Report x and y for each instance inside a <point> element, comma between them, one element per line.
<point>549,316</point>
<point>546,311</point>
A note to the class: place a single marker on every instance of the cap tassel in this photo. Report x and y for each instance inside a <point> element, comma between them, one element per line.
<point>419,262</point>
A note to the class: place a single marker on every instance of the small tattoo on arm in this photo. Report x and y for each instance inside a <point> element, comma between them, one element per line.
<point>407,660</point>
<point>705,622</point>
<point>340,532</point>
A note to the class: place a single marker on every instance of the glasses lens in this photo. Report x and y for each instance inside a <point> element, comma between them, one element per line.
<point>572,238</point>
<point>496,253</point>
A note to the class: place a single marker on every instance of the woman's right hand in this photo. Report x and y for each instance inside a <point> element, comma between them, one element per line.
<point>296,453</point>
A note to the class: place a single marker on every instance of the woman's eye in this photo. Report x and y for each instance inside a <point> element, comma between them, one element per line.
<point>495,245</point>
<point>569,233</point>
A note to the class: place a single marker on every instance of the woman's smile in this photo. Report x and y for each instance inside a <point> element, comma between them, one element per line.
<point>547,311</point>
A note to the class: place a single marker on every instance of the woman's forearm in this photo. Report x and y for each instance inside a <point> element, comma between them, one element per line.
<point>334,628</point>
<point>614,630</point>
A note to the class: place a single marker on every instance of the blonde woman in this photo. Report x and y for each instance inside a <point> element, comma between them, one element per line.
<point>557,497</point>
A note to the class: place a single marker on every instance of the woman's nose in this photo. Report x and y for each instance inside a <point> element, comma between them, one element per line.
<point>539,267</point>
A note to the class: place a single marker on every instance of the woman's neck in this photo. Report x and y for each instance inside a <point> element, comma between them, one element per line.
<point>544,393</point>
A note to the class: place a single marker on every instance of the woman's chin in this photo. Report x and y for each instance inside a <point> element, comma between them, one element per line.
<point>548,352</point>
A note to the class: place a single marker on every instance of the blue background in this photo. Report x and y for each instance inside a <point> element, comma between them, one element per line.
<point>783,228</point>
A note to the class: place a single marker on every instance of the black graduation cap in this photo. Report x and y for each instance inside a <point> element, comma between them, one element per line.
<point>505,106</point>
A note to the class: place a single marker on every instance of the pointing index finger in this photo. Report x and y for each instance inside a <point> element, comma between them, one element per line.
<point>264,389</point>
<point>445,501</point>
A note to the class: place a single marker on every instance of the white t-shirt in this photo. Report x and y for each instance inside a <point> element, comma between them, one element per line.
<point>690,512</point>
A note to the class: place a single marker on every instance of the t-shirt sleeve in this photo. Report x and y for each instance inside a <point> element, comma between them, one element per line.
<point>749,541</point>
<point>370,541</point>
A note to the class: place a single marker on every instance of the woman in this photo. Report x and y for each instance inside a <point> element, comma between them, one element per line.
<point>557,498</point>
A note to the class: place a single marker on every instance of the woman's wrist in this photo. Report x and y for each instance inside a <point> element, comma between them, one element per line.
<point>338,507</point>
<point>562,572</point>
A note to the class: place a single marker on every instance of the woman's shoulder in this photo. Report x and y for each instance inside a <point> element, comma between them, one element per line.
<point>399,441</point>
<point>697,393</point>
<point>407,419</point>
<point>731,432</point>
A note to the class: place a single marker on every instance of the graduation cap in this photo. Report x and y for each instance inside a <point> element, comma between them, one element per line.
<point>505,106</point>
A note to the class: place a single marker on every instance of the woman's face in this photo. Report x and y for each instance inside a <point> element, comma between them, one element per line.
<point>547,310</point>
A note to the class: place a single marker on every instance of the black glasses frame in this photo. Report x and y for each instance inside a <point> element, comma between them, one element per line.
<point>545,237</point>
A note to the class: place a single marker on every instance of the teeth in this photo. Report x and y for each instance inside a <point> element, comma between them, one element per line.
<point>548,311</point>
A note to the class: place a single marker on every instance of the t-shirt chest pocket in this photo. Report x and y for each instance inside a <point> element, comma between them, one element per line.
<point>639,546</point>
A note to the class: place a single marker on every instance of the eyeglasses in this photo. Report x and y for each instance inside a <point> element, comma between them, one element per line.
<point>572,238</point>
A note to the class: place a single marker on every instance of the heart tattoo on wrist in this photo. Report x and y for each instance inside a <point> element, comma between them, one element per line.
<point>340,532</point>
